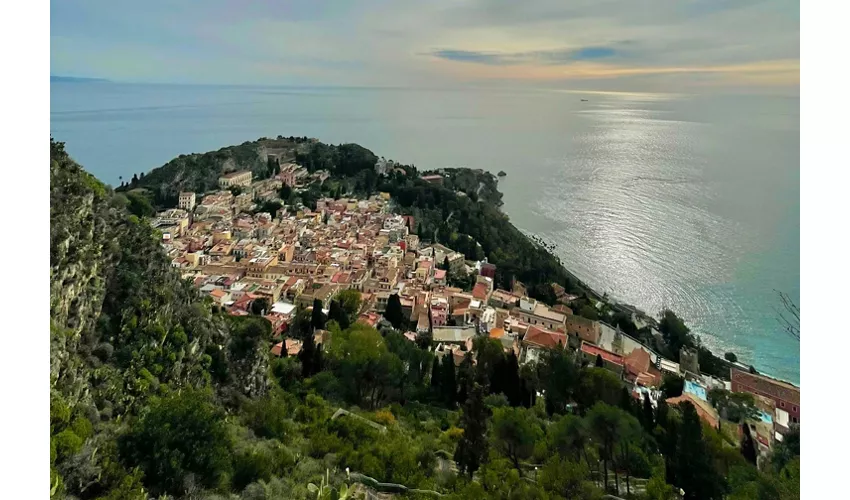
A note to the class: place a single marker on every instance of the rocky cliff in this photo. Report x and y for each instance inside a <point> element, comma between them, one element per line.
<point>124,324</point>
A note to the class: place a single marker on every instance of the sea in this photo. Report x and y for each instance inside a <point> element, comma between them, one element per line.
<point>688,202</point>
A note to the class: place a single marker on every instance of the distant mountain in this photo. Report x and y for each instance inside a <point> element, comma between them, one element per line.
<point>75,79</point>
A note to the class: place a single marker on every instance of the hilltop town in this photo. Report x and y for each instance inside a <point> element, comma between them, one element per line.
<point>272,264</point>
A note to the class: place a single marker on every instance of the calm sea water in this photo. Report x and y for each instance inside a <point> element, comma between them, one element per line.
<point>684,202</point>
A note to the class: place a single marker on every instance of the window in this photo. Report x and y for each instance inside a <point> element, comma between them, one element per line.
<point>794,408</point>
<point>782,404</point>
<point>794,419</point>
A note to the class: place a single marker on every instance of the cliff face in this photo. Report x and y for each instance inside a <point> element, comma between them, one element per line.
<point>80,243</point>
<point>124,324</point>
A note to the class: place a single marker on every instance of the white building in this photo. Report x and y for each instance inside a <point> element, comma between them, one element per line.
<point>187,201</point>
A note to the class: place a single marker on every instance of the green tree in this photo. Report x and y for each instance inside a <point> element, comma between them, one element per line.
<point>514,434</point>
<point>364,365</point>
<point>629,454</point>
<point>489,356</point>
<point>179,435</point>
<point>436,376</point>
<point>695,470</point>
<point>336,313</point>
<point>567,479</point>
<point>785,451</point>
<point>672,386</point>
<point>259,306</point>
<point>448,382</point>
<point>734,406</point>
<point>285,192</point>
<point>465,378</point>
<point>393,312</point>
<point>648,415</point>
<point>748,445</point>
<point>472,449</point>
<point>559,376</point>
<point>674,332</point>
<point>307,355</point>
<point>731,357</point>
<point>350,301</point>
<point>589,312</point>
<point>605,424</point>
<point>139,205</point>
<point>657,487</point>
<point>318,317</point>
<point>597,384</point>
<point>600,363</point>
<point>569,437</point>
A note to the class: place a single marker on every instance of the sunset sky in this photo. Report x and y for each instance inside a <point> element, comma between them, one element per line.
<point>607,45</point>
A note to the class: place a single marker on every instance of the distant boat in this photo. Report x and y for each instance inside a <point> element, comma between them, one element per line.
<point>584,100</point>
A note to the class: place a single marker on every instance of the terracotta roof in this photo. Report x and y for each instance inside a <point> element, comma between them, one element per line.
<point>607,355</point>
<point>544,338</point>
<point>637,361</point>
<point>497,333</point>
<point>479,291</point>
<point>704,410</point>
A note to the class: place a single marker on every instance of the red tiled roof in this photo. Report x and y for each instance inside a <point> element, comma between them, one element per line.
<point>607,355</point>
<point>637,361</point>
<point>479,291</point>
<point>704,410</point>
<point>544,338</point>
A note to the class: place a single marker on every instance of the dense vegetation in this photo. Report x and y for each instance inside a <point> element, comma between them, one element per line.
<point>154,393</point>
<point>199,172</point>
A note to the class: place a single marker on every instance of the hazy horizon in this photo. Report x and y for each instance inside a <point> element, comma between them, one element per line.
<point>651,46</point>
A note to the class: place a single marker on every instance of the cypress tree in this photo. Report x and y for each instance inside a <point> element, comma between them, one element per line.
<point>626,401</point>
<point>648,417</point>
<point>694,467</point>
<point>448,384</point>
<point>512,388</point>
<point>307,356</point>
<point>600,363</point>
<point>338,314</point>
<point>748,445</point>
<point>472,449</point>
<point>436,376</point>
<point>465,378</point>
<point>318,361</point>
<point>318,318</point>
<point>393,313</point>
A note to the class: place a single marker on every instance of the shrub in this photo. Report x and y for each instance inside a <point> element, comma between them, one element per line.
<point>384,417</point>
<point>67,444</point>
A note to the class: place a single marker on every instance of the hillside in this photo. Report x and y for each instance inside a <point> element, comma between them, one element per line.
<point>462,212</point>
<point>199,172</point>
<point>156,393</point>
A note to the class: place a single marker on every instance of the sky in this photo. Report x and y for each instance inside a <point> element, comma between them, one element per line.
<point>605,45</point>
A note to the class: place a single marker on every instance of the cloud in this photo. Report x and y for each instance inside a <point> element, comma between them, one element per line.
<point>644,45</point>
<point>543,57</point>
<point>595,53</point>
